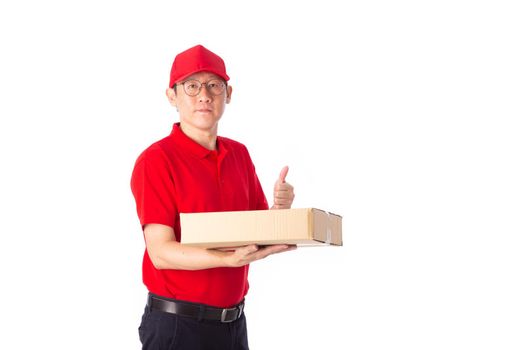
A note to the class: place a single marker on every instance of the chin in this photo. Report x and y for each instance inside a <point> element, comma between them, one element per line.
<point>205,123</point>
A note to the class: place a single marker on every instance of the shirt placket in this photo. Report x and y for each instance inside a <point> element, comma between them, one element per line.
<point>220,177</point>
<point>214,166</point>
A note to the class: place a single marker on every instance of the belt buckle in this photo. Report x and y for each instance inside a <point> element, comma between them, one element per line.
<point>224,314</point>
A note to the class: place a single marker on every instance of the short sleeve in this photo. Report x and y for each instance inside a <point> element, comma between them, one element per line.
<point>261,202</point>
<point>258,199</point>
<point>153,189</point>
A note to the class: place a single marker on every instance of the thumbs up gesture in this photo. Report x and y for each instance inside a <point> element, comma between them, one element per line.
<point>282,192</point>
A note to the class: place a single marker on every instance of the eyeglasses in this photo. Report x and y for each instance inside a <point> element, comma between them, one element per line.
<point>193,87</point>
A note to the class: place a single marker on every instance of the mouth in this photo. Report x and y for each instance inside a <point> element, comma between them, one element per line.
<point>203,110</point>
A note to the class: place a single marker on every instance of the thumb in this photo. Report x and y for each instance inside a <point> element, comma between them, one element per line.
<point>282,175</point>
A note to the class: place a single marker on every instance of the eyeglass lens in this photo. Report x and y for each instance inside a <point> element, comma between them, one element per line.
<point>193,87</point>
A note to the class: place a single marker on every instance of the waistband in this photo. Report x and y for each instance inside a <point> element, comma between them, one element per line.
<point>194,310</point>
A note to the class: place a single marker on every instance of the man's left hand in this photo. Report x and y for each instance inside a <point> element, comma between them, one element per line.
<point>282,192</point>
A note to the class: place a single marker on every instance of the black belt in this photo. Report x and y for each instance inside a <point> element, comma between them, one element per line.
<point>198,311</point>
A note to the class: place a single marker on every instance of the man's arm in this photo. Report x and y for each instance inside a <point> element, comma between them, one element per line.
<point>166,253</point>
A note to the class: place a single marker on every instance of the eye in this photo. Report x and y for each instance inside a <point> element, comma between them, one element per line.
<point>192,85</point>
<point>215,84</point>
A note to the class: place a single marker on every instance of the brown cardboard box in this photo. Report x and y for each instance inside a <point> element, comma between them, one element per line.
<point>307,226</point>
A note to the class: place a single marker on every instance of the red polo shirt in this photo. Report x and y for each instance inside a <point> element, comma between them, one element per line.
<point>177,175</point>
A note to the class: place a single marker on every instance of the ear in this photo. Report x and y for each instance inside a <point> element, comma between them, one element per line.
<point>172,97</point>
<point>228,94</point>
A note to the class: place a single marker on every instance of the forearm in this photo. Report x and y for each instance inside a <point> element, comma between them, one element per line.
<point>173,255</point>
<point>166,253</point>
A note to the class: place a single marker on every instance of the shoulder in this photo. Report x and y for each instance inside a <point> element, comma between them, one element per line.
<point>237,151</point>
<point>155,153</point>
<point>233,145</point>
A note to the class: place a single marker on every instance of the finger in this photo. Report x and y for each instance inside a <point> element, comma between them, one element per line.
<point>283,187</point>
<point>282,175</point>
<point>249,249</point>
<point>290,248</point>
<point>283,194</point>
<point>284,247</point>
<point>282,201</point>
<point>271,249</point>
<point>284,198</point>
<point>225,249</point>
<point>264,252</point>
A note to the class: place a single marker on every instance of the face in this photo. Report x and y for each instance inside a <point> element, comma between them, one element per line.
<point>203,111</point>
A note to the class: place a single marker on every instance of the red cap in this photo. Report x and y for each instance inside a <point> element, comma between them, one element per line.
<point>194,60</point>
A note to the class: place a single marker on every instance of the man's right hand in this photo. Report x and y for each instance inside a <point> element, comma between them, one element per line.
<point>245,255</point>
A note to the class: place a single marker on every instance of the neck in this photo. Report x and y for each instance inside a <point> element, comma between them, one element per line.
<point>205,138</point>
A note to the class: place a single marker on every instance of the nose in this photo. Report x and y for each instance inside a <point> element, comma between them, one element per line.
<point>204,94</point>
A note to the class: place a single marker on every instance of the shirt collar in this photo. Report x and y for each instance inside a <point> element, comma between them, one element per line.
<point>182,140</point>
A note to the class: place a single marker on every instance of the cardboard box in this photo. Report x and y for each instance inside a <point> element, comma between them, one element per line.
<point>307,226</point>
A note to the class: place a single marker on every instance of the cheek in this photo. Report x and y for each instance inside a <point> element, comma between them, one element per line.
<point>185,104</point>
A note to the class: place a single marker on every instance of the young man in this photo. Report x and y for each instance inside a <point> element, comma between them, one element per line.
<point>196,295</point>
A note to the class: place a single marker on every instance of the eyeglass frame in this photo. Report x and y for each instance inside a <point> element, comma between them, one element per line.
<point>200,86</point>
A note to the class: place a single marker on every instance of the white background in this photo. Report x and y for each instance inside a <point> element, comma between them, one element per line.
<point>405,117</point>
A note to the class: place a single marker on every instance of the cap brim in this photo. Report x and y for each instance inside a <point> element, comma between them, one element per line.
<point>221,75</point>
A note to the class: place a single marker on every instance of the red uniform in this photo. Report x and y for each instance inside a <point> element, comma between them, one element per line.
<point>177,175</point>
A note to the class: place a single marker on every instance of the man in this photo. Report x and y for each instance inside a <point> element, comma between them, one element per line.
<point>196,295</point>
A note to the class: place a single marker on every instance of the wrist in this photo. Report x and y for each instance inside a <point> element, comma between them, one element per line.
<point>221,258</point>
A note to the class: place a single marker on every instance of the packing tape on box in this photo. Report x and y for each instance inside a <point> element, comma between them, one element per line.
<point>328,240</point>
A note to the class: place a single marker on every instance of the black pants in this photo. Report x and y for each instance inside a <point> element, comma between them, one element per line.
<point>164,331</point>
